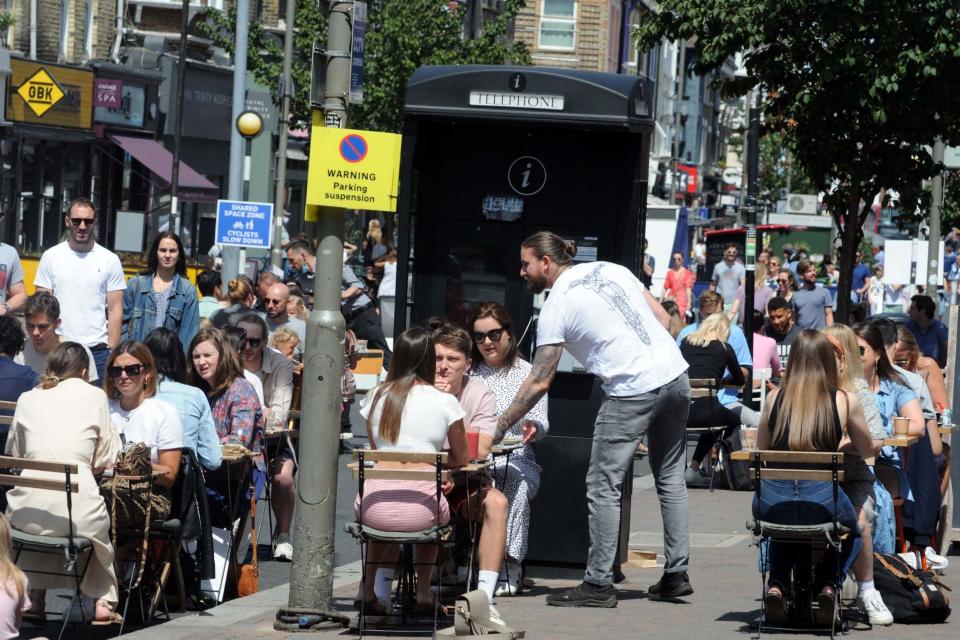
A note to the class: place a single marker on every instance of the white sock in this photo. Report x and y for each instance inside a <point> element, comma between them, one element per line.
<point>383,584</point>
<point>487,581</point>
<point>865,587</point>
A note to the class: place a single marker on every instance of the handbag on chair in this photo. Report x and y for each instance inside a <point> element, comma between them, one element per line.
<point>249,581</point>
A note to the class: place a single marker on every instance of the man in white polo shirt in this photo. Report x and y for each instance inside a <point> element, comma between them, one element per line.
<point>88,281</point>
<point>604,316</point>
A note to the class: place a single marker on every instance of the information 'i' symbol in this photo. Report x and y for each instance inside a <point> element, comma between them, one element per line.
<point>527,176</point>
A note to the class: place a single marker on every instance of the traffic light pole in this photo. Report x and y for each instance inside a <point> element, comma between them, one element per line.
<point>310,604</point>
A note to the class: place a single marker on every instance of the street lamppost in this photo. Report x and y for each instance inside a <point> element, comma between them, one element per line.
<point>249,124</point>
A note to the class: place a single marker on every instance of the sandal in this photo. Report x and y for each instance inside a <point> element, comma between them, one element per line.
<point>775,606</point>
<point>115,618</point>
<point>827,611</point>
<point>371,607</point>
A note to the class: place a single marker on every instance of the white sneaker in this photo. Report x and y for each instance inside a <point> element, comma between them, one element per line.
<point>935,561</point>
<point>509,583</point>
<point>495,616</point>
<point>282,547</point>
<point>872,603</point>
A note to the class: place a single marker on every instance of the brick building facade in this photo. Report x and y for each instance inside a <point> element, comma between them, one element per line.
<point>572,34</point>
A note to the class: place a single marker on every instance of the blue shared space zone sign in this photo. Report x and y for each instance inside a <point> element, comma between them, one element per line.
<point>244,224</point>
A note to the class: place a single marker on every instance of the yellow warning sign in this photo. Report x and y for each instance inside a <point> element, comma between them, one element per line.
<point>40,91</point>
<point>353,169</point>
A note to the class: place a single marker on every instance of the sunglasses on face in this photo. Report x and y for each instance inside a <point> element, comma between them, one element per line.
<point>131,370</point>
<point>493,334</point>
<point>863,350</point>
<point>79,221</point>
<point>254,343</point>
<point>271,301</point>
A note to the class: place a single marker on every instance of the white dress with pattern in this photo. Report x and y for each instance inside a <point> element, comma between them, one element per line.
<point>520,482</point>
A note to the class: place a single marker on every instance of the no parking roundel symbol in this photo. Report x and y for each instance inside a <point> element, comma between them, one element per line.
<point>353,148</point>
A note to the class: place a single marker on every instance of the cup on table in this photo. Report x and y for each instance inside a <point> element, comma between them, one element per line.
<point>748,438</point>
<point>901,426</point>
<point>473,442</point>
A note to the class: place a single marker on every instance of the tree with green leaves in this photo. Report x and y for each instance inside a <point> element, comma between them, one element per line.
<point>401,36</point>
<point>857,88</point>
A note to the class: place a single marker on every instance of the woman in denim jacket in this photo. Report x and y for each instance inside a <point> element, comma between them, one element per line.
<point>162,296</point>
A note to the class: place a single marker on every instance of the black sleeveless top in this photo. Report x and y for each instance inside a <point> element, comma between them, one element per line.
<point>784,444</point>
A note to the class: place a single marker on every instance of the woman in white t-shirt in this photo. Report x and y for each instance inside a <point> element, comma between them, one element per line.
<point>407,413</point>
<point>131,383</point>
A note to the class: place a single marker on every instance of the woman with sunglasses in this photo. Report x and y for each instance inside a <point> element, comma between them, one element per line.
<point>678,285</point>
<point>67,419</point>
<point>162,296</point>
<point>893,393</point>
<point>275,373</point>
<point>786,284</point>
<point>131,384</point>
<point>497,362</point>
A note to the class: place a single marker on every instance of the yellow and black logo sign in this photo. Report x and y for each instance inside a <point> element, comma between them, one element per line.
<point>40,91</point>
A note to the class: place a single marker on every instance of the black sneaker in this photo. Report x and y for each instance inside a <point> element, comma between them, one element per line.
<point>672,585</point>
<point>585,595</point>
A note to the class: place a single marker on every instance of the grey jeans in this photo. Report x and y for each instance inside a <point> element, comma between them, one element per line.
<point>662,415</point>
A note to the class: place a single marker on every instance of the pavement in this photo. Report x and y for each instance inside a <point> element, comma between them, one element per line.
<point>723,572</point>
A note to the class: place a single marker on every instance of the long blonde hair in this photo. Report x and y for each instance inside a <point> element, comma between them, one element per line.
<point>760,275</point>
<point>713,327</point>
<point>9,570</point>
<point>805,398</point>
<point>851,368</point>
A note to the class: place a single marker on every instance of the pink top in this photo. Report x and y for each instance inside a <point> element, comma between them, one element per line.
<point>676,285</point>
<point>765,354</point>
<point>10,608</point>
<point>479,406</point>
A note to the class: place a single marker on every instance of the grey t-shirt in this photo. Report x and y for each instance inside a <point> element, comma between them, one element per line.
<point>11,271</point>
<point>349,279</point>
<point>727,278</point>
<point>810,307</point>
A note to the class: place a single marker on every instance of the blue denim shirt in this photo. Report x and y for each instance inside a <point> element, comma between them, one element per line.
<point>140,310</point>
<point>199,430</point>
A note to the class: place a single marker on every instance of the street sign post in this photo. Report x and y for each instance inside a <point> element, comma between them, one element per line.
<point>244,224</point>
<point>353,169</point>
<point>357,51</point>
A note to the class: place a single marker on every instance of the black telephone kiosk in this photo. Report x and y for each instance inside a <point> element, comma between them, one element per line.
<point>490,155</point>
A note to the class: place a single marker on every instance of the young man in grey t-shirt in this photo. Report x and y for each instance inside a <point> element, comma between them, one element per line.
<point>813,305</point>
<point>728,275</point>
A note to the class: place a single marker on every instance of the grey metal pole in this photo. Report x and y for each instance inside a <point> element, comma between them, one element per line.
<point>936,210</point>
<point>178,126</point>
<point>311,573</point>
<point>231,255</point>
<point>280,190</point>
<point>675,160</point>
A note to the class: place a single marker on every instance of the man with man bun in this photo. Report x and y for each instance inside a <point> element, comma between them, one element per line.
<point>604,316</point>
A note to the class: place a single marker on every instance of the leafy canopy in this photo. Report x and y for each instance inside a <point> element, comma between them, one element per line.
<point>401,36</point>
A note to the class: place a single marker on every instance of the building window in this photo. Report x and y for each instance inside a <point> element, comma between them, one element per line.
<point>558,21</point>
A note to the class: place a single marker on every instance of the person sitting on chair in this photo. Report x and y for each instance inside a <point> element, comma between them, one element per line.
<point>809,413</point>
<point>407,413</point>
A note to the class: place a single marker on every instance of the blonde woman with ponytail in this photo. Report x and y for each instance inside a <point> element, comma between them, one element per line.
<point>68,420</point>
<point>810,412</point>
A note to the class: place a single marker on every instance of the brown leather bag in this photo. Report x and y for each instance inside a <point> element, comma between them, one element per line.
<point>249,580</point>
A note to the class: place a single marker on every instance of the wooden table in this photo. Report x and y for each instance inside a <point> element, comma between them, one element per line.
<point>900,441</point>
<point>946,429</point>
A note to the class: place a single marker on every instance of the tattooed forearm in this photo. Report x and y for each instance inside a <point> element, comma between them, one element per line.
<point>533,388</point>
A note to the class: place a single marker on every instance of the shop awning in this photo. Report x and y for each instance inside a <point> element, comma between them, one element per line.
<point>192,186</point>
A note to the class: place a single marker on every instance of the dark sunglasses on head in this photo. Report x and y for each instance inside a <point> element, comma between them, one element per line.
<point>254,343</point>
<point>493,334</point>
<point>131,370</point>
<point>79,221</point>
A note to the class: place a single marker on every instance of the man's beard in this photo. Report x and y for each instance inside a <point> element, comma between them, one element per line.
<point>536,284</point>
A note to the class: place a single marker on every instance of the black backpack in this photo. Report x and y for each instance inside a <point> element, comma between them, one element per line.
<point>738,474</point>
<point>913,596</point>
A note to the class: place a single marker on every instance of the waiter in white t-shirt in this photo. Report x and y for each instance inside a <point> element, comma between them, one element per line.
<point>87,279</point>
<point>604,316</point>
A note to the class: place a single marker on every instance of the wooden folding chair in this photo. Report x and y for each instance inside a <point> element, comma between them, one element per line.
<point>799,465</point>
<point>705,388</point>
<point>438,534</point>
<point>76,551</point>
